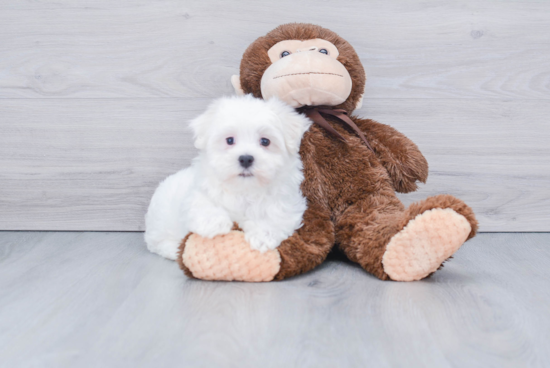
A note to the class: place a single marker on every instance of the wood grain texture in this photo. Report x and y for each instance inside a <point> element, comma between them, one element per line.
<point>94,98</point>
<point>428,49</point>
<point>97,169</point>
<point>101,300</point>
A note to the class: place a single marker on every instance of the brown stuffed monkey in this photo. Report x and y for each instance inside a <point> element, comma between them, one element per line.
<point>352,169</point>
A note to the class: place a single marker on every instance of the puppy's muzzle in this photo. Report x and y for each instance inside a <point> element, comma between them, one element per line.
<point>246,161</point>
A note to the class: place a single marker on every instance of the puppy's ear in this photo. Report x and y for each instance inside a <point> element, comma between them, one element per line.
<point>293,124</point>
<point>202,124</point>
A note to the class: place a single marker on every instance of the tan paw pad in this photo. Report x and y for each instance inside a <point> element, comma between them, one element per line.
<point>229,258</point>
<point>424,244</point>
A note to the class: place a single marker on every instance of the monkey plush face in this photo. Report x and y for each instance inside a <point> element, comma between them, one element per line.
<point>303,65</point>
<point>306,73</point>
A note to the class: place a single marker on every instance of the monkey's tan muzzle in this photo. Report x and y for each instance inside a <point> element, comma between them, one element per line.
<point>307,78</point>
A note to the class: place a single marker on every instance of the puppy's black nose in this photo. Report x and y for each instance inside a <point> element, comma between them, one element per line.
<point>246,160</point>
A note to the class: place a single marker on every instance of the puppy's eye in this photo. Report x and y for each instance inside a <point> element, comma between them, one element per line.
<point>230,141</point>
<point>265,142</point>
<point>284,53</point>
<point>324,51</point>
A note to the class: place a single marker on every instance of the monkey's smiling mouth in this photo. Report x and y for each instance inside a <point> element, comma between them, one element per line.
<point>287,75</point>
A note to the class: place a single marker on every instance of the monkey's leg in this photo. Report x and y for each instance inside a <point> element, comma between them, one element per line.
<point>404,245</point>
<point>229,257</point>
<point>309,246</point>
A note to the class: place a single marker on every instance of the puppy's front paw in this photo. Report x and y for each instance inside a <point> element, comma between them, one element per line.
<point>211,227</point>
<point>261,240</point>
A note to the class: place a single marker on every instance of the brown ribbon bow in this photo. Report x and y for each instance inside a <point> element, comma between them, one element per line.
<point>314,113</point>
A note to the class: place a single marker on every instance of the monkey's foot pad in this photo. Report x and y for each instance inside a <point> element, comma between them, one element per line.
<point>424,244</point>
<point>227,258</point>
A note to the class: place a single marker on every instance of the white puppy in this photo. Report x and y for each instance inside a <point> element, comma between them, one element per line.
<point>248,171</point>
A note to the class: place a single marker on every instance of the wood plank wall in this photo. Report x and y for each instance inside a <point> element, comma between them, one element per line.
<point>95,97</point>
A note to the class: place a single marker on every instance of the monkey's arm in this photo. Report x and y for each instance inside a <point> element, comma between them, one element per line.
<point>400,156</point>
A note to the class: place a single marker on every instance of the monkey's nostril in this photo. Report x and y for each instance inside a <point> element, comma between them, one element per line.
<point>246,161</point>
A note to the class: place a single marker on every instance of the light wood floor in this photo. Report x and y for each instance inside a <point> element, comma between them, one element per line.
<point>101,300</point>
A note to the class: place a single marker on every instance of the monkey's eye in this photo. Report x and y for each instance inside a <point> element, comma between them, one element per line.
<point>230,141</point>
<point>265,142</point>
<point>324,51</point>
<point>285,53</point>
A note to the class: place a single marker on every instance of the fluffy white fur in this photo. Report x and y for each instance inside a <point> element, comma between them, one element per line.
<point>216,190</point>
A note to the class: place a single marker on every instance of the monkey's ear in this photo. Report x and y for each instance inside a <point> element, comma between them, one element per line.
<point>236,82</point>
<point>359,102</point>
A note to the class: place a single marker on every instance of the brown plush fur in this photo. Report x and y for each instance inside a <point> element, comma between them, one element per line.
<point>350,189</point>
